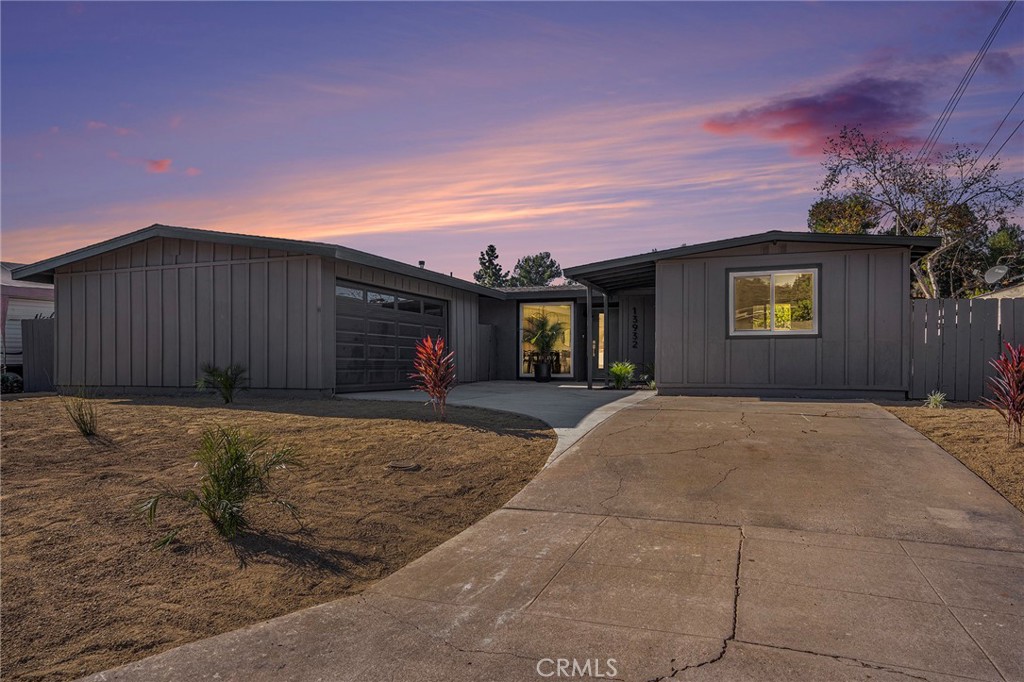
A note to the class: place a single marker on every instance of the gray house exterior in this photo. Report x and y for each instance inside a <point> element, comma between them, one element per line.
<point>143,312</point>
<point>855,341</point>
<point>778,313</point>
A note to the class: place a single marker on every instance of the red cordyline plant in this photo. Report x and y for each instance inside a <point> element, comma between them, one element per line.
<point>1008,390</point>
<point>435,372</point>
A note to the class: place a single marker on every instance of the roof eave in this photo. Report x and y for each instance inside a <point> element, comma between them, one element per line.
<point>919,247</point>
<point>43,271</point>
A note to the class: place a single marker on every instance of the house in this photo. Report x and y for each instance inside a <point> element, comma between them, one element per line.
<point>19,301</point>
<point>1013,291</point>
<point>785,313</point>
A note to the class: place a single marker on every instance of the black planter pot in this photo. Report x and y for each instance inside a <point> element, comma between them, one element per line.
<point>542,371</point>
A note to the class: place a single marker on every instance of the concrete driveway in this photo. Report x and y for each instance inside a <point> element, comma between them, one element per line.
<point>721,539</point>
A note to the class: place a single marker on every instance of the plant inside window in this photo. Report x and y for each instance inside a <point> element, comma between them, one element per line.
<point>542,332</point>
<point>773,302</point>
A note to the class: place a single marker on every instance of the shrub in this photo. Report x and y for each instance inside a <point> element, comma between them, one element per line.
<point>435,372</point>
<point>81,410</point>
<point>11,383</point>
<point>225,381</point>
<point>936,400</point>
<point>622,373</point>
<point>236,468</point>
<point>1008,390</point>
<point>647,376</point>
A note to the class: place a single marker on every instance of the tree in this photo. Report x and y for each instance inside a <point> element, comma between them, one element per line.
<point>490,273</point>
<point>535,271</point>
<point>952,195</point>
<point>851,214</point>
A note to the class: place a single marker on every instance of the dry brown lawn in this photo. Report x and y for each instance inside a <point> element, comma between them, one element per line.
<point>82,588</point>
<point>976,436</point>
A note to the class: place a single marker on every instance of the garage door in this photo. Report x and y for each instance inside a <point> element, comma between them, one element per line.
<point>376,335</point>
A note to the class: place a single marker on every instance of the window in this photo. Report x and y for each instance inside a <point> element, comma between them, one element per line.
<point>381,299</point>
<point>556,320</point>
<point>348,292</point>
<point>409,305</point>
<point>774,302</point>
<point>433,308</point>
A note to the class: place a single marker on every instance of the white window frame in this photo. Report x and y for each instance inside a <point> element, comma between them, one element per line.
<point>572,332</point>
<point>815,272</point>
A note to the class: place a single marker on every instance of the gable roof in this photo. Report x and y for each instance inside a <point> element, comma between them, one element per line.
<point>638,270</point>
<point>43,270</point>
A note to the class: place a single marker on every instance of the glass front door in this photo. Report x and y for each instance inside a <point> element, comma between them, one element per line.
<point>545,335</point>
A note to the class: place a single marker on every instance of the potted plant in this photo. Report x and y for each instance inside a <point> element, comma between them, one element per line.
<point>542,333</point>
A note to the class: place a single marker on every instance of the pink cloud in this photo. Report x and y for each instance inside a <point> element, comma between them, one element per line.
<point>876,105</point>
<point>101,125</point>
<point>158,165</point>
<point>192,171</point>
<point>175,122</point>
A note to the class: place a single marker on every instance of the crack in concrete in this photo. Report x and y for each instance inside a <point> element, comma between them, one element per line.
<point>618,489</point>
<point>836,657</point>
<point>723,479</point>
<point>731,638</point>
<point>445,640</point>
<point>599,450</point>
<point>732,628</point>
<point>951,612</point>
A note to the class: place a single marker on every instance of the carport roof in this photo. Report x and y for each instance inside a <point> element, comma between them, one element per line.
<point>638,271</point>
<point>43,270</point>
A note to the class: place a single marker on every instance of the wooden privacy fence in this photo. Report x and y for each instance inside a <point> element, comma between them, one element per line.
<point>952,341</point>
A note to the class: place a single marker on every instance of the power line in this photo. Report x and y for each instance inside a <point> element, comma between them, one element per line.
<point>954,100</point>
<point>998,127</point>
<point>1008,138</point>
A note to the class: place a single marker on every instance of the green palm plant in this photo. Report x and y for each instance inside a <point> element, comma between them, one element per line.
<point>236,467</point>
<point>541,332</point>
<point>225,381</point>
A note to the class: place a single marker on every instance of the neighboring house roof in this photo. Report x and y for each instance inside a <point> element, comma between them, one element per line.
<point>638,271</point>
<point>43,270</point>
<point>1016,291</point>
<point>7,280</point>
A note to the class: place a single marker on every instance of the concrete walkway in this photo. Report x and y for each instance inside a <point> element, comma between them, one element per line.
<point>567,407</point>
<point>692,539</point>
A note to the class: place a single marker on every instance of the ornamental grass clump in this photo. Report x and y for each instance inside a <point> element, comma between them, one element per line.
<point>225,380</point>
<point>935,400</point>
<point>1007,388</point>
<point>622,373</point>
<point>435,373</point>
<point>81,410</point>
<point>236,473</point>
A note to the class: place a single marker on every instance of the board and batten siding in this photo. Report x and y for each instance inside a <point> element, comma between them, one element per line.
<point>149,315</point>
<point>463,310</point>
<point>864,313</point>
<point>635,337</point>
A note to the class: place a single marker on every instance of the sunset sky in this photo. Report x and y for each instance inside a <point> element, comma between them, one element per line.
<point>427,131</point>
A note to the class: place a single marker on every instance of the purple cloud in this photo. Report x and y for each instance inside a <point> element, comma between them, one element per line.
<point>876,105</point>
<point>999,64</point>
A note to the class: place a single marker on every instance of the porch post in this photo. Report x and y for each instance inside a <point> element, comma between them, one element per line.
<point>590,350</point>
<point>607,344</point>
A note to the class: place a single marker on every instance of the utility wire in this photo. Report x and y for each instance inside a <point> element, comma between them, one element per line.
<point>998,127</point>
<point>1008,138</point>
<point>954,100</point>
